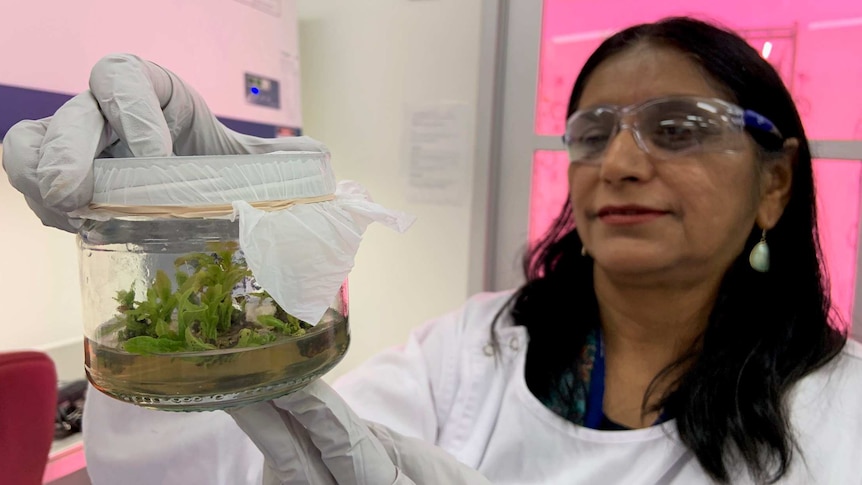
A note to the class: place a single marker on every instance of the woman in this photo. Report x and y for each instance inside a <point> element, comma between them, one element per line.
<point>653,298</point>
<point>674,327</point>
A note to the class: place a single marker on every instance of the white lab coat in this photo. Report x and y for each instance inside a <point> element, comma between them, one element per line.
<point>444,387</point>
<point>128,445</point>
<point>447,386</point>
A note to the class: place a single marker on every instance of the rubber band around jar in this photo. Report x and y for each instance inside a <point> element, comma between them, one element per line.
<point>204,211</point>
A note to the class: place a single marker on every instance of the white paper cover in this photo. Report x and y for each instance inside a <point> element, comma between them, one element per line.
<point>303,254</point>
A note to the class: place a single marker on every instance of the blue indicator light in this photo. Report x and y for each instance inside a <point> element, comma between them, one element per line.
<point>255,91</point>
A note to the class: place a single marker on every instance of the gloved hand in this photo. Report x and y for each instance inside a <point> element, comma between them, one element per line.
<point>313,437</point>
<point>133,108</point>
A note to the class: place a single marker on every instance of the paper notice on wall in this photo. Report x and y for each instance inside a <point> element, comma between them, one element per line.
<point>272,7</point>
<point>437,153</point>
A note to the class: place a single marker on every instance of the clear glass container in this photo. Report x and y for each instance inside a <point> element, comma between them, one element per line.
<point>174,319</point>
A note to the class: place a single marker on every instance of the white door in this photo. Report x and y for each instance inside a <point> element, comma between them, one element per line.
<point>540,46</point>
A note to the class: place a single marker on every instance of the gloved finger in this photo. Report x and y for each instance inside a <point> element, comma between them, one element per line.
<point>75,136</point>
<point>131,93</point>
<point>417,459</point>
<point>53,218</point>
<point>20,161</point>
<point>290,456</point>
<point>155,112</point>
<point>350,451</point>
<point>196,131</point>
<point>255,145</point>
<point>21,147</point>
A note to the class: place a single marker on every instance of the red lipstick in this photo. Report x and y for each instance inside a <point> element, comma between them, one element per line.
<point>620,215</point>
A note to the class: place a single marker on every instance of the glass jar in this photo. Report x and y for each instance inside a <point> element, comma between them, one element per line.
<point>175,320</point>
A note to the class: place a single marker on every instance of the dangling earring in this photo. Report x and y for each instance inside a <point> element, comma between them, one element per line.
<point>759,257</point>
<point>584,251</point>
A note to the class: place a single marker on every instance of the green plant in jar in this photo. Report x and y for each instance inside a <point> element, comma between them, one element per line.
<point>202,311</point>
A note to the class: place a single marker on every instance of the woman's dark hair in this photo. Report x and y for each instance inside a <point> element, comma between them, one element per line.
<point>766,331</point>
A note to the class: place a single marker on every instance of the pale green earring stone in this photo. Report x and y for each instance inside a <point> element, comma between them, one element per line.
<point>759,257</point>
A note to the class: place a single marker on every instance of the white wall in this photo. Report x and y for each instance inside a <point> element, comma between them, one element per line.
<point>362,64</point>
<point>39,291</point>
<point>211,44</point>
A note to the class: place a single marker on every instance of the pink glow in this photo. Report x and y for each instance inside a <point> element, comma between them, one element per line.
<point>812,43</point>
<point>549,190</point>
<point>65,462</point>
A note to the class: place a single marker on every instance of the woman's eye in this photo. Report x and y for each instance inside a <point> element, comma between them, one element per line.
<point>594,139</point>
<point>685,131</point>
<point>588,145</point>
<point>678,134</point>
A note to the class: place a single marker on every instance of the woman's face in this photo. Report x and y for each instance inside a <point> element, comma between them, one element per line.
<point>691,215</point>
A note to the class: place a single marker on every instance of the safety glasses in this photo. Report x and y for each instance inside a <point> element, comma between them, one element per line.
<point>665,128</point>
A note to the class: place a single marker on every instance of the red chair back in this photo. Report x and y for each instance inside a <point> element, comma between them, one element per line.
<point>28,404</point>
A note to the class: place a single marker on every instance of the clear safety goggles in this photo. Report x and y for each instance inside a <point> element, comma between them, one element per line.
<point>665,128</point>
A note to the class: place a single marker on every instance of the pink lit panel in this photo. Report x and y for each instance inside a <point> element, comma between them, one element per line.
<point>548,192</point>
<point>813,44</point>
<point>838,220</point>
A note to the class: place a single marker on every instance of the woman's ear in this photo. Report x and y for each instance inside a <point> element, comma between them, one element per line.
<point>776,180</point>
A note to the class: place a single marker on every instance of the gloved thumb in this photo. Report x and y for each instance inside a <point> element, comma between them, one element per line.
<point>289,455</point>
<point>347,447</point>
<point>131,93</point>
<point>51,160</point>
<point>419,459</point>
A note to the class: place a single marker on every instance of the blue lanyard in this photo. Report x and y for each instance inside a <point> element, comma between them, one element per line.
<point>596,397</point>
<point>595,400</point>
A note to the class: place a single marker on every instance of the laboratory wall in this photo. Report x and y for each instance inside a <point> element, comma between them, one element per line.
<point>211,44</point>
<point>39,292</point>
<point>217,46</point>
<point>365,65</point>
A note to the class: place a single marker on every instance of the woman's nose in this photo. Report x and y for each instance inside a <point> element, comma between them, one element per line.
<point>624,160</point>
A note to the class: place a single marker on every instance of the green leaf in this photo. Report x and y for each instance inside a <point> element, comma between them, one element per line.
<point>145,345</point>
<point>291,328</point>
<point>271,321</point>
<point>225,312</point>
<point>294,325</point>
<point>190,283</point>
<point>194,260</point>
<point>182,277</point>
<point>249,338</point>
<point>163,285</point>
<point>188,312</point>
<point>262,294</point>
<point>167,309</point>
<point>195,343</point>
<point>126,299</point>
<point>162,328</point>
<point>210,320</point>
<point>185,305</point>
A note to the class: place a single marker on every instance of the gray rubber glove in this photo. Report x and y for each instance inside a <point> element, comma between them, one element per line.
<point>313,437</point>
<point>133,108</point>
